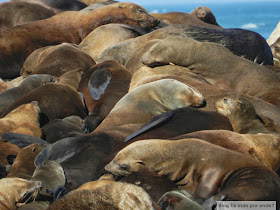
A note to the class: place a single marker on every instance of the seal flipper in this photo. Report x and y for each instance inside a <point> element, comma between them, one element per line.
<point>62,150</point>
<point>155,122</point>
<point>98,82</point>
<point>22,140</point>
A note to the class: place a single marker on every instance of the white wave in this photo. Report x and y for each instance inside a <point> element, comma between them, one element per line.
<point>154,11</point>
<point>250,26</point>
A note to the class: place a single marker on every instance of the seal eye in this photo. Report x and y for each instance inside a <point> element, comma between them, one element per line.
<point>225,100</point>
<point>140,10</point>
<point>123,166</point>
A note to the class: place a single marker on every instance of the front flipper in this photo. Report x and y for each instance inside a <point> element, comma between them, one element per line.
<point>98,82</point>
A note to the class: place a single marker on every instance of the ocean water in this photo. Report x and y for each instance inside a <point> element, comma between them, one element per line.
<point>261,17</point>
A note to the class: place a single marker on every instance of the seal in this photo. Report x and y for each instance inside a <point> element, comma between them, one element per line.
<point>60,5</point>
<point>204,14</point>
<point>256,49</point>
<point>262,147</point>
<point>150,100</point>
<point>56,101</point>
<point>18,13</point>
<point>51,31</point>
<point>105,36</point>
<point>182,161</point>
<point>242,115</point>
<point>23,166</point>
<point>56,60</point>
<point>172,18</point>
<point>28,84</point>
<point>14,189</point>
<point>51,175</point>
<point>102,87</point>
<point>61,128</point>
<point>116,195</point>
<point>261,84</point>
<point>26,113</point>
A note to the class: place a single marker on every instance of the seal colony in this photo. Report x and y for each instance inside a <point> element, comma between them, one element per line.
<point>105,106</point>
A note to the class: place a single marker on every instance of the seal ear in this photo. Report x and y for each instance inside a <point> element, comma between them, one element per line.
<point>98,82</point>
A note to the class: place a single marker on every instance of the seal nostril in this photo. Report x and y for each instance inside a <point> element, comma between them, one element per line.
<point>225,100</point>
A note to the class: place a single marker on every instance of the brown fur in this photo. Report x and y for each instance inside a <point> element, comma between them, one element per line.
<point>172,18</point>
<point>242,115</point>
<point>233,73</point>
<point>18,13</point>
<point>204,14</point>
<point>150,100</point>
<point>56,60</point>
<point>28,128</point>
<point>107,35</point>
<point>266,111</point>
<point>256,48</point>
<point>56,101</point>
<point>199,167</point>
<point>23,166</point>
<point>6,149</point>
<point>116,195</point>
<point>26,113</point>
<point>262,147</point>
<point>26,85</point>
<point>64,27</point>
<point>71,78</point>
<point>13,189</point>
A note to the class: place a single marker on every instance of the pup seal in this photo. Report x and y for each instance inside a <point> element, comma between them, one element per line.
<point>117,195</point>
<point>183,161</point>
<point>242,115</point>
<point>51,175</point>
<point>14,189</point>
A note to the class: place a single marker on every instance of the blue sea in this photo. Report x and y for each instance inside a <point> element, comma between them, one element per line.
<point>261,17</point>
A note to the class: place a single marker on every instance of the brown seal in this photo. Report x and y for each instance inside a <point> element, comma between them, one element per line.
<point>14,189</point>
<point>262,147</point>
<point>102,87</point>
<point>28,84</point>
<point>172,18</point>
<point>58,6</point>
<point>56,60</point>
<point>204,14</point>
<point>256,49</point>
<point>105,36</point>
<point>6,149</point>
<point>51,175</point>
<point>116,195</point>
<point>26,113</point>
<point>150,100</point>
<point>240,78</point>
<point>184,162</point>
<point>23,166</point>
<point>242,115</point>
<point>69,27</point>
<point>18,13</point>
<point>56,101</point>
<point>266,111</point>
